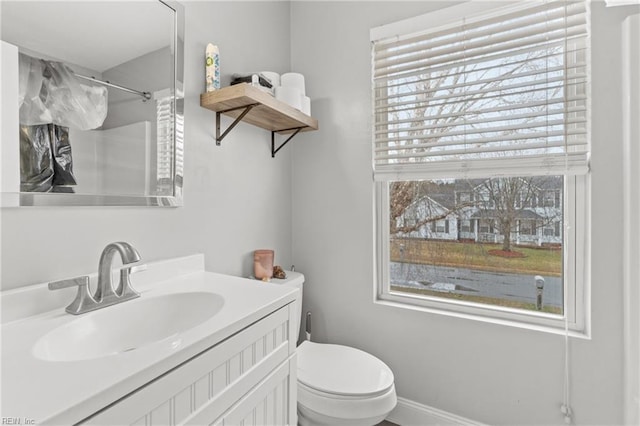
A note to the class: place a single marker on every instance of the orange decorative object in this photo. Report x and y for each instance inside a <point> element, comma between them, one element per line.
<point>263,264</point>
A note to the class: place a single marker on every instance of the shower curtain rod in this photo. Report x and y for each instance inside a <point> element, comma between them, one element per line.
<point>145,95</point>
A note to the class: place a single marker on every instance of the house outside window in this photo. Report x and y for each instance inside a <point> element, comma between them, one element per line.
<point>481,129</point>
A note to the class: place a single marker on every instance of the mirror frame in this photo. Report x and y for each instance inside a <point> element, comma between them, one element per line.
<point>24,199</point>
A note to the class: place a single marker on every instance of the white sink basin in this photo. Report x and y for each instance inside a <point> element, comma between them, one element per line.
<point>128,326</point>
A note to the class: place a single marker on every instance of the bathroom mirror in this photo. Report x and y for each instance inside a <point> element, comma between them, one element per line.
<point>92,103</point>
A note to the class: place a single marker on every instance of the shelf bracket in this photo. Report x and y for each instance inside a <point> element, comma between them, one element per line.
<point>273,139</point>
<point>246,108</point>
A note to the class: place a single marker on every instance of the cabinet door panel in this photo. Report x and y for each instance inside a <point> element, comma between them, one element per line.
<point>214,408</point>
<point>266,404</point>
<point>208,383</point>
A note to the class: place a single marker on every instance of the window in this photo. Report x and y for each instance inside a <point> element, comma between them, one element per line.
<point>549,232</point>
<point>549,199</point>
<point>483,121</point>
<point>169,161</point>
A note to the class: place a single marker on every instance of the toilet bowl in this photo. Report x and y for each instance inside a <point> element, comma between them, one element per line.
<point>339,385</point>
<point>342,385</point>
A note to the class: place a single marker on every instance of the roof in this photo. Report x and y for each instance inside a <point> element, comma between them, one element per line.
<point>492,213</point>
<point>447,200</point>
<point>540,182</point>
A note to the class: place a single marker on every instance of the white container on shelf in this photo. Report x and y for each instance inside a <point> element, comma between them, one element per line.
<point>273,77</point>
<point>306,104</point>
<point>294,80</point>
<point>289,95</point>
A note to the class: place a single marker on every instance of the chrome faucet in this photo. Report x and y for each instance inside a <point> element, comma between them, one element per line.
<point>105,292</point>
<point>104,295</point>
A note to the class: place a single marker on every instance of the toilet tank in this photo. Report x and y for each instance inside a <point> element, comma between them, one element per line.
<point>294,279</point>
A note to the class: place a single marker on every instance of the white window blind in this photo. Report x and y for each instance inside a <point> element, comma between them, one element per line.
<point>169,161</point>
<point>503,94</point>
<point>164,122</point>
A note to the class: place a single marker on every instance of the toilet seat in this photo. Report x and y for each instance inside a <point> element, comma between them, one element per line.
<point>339,382</point>
<point>342,371</point>
<point>338,385</point>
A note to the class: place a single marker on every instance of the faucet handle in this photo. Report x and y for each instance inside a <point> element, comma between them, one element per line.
<point>83,301</point>
<point>79,281</point>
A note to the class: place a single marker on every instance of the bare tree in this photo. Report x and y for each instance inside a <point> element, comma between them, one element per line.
<point>507,196</point>
<point>507,199</point>
<point>401,195</point>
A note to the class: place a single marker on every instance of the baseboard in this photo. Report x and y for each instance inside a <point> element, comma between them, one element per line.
<point>409,413</point>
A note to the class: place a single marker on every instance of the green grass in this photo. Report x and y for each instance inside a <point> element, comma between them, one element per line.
<point>536,261</point>
<point>479,299</point>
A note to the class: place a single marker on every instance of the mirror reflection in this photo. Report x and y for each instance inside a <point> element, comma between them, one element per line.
<point>99,114</point>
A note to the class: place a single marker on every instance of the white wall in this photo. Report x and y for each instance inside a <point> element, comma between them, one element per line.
<point>237,198</point>
<point>9,154</point>
<point>85,161</point>
<point>489,373</point>
<point>631,86</point>
<point>123,157</point>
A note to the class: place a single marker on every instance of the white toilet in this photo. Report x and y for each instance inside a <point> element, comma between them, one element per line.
<point>339,385</point>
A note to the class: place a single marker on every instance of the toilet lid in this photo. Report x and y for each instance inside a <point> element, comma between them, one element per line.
<point>342,370</point>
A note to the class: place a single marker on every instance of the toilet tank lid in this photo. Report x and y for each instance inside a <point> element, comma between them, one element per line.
<point>294,279</point>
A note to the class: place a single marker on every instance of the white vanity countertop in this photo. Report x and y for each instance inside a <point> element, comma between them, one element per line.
<point>66,392</point>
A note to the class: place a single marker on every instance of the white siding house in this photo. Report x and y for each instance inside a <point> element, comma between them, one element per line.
<point>472,210</point>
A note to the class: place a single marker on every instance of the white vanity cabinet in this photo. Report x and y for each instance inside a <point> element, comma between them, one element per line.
<point>249,378</point>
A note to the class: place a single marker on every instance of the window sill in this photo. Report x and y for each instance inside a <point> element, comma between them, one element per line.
<point>545,323</point>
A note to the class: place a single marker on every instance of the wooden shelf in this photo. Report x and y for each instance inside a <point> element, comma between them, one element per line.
<point>267,112</point>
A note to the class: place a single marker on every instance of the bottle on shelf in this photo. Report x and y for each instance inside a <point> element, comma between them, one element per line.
<point>212,67</point>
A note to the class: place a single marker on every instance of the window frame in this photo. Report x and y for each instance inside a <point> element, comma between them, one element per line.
<point>575,281</point>
<point>576,204</point>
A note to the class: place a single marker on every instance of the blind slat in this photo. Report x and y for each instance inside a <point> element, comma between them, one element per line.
<point>516,140</point>
<point>456,153</point>
<point>433,40</point>
<point>420,77</point>
<point>533,12</point>
<point>454,99</point>
<point>385,126</point>
<point>473,131</point>
<point>485,63</point>
<point>164,129</point>
<point>490,89</point>
<point>396,127</point>
<point>571,164</point>
<point>432,82</point>
<point>459,53</point>
<point>506,40</point>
